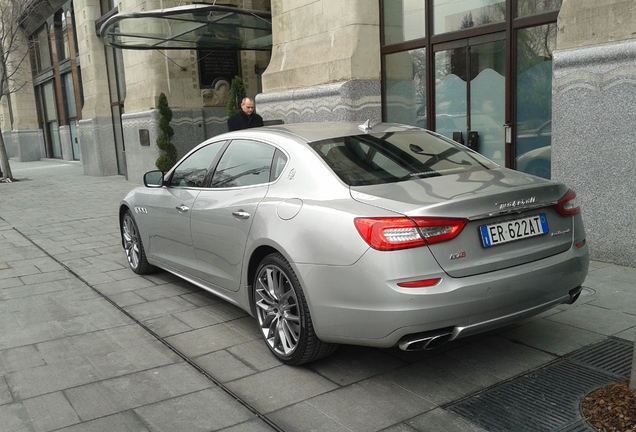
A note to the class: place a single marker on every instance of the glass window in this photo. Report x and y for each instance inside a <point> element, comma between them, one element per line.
<point>388,158</point>
<point>74,139</point>
<point>55,140</point>
<point>106,6</point>
<point>61,36</point>
<point>280,160</point>
<point>403,20</point>
<point>116,74</point>
<point>534,99</point>
<point>43,50</point>
<point>66,49</point>
<point>452,15</point>
<point>532,7</point>
<point>244,163</point>
<point>451,77</point>
<point>69,95</point>
<point>405,84</point>
<point>49,102</point>
<point>487,99</point>
<point>192,171</point>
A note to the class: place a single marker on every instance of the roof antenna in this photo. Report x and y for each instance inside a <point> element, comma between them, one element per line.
<point>366,126</point>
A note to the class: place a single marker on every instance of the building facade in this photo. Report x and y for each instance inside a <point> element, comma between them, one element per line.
<point>542,86</point>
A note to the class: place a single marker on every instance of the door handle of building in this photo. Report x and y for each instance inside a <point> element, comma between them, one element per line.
<point>241,214</point>
<point>182,208</point>
<point>473,140</point>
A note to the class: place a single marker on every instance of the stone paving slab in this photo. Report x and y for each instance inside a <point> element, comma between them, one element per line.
<point>70,359</point>
<point>87,345</point>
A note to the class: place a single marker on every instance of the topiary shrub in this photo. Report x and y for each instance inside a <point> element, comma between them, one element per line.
<point>168,156</point>
<point>237,93</point>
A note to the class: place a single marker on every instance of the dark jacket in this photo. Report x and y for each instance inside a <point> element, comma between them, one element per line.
<point>240,120</point>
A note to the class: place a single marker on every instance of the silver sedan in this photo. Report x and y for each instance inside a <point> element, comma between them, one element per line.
<point>339,233</point>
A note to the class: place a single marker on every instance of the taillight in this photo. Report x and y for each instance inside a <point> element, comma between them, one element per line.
<point>568,205</point>
<point>403,233</point>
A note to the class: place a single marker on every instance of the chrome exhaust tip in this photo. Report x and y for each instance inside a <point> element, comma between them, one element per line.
<point>424,341</point>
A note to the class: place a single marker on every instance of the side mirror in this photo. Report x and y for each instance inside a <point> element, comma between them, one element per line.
<point>153,179</point>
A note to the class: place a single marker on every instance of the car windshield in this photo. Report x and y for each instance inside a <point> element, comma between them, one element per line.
<point>398,156</point>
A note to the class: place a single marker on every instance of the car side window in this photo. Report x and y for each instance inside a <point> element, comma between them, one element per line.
<point>280,160</point>
<point>192,171</point>
<point>244,163</point>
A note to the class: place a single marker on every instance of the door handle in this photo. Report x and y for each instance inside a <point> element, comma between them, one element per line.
<point>182,208</point>
<point>241,214</point>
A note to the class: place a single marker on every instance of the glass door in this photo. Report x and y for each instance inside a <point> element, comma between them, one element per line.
<point>470,97</point>
<point>54,148</point>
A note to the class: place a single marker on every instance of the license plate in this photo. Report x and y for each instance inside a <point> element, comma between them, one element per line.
<point>496,234</point>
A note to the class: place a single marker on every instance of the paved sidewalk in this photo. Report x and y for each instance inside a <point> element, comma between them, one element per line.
<point>87,345</point>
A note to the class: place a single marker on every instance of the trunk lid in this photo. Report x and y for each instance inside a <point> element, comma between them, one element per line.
<point>492,201</point>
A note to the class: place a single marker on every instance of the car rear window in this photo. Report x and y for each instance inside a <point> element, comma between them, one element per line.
<point>398,156</point>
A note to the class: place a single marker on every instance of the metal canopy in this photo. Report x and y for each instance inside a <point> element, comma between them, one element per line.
<point>190,27</point>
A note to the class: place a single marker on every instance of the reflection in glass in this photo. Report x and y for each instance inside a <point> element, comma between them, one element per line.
<point>372,159</point>
<point>43,49</point>
<point>487,98</point>
<point>451,106</point>
<point>403,20</point>
<point>192,171</point>
<point>69,95</point>
<point>532,7</point>
<point>74,140</point>
<point>405,98</point>
<point>65,50</point>
<point>477,71</point>
<point>452,15</point>
<point>244,163</point>
<point>534,99</point>
<point>55,140</point>
<point>49,102</point>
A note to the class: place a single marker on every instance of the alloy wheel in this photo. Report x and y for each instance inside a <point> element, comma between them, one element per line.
<point>131,241</point>
<point>278,310</point>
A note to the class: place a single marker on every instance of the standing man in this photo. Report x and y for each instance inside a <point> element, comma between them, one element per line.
<point>245,118</point>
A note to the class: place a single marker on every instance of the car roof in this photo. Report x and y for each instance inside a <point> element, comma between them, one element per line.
<point>318,131</point>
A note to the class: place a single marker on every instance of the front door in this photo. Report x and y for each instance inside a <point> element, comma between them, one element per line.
<point>470,95</point>
<point>223,213</point>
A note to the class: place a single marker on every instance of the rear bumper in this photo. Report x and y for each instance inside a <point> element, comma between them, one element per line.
<point>363,305</point>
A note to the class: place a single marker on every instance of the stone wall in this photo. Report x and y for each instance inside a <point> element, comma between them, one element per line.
<point>347,101</point>
<point>325,63</point>
<point>96,138</point>
<point>19,122</point>
<point>594,113</point>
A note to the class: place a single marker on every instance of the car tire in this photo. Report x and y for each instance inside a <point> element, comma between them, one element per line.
<point>134,248</point>
<point>283,314</point>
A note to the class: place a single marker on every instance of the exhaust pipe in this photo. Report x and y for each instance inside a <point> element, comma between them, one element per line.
<point>574,294</point>
<point>426,340</point>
